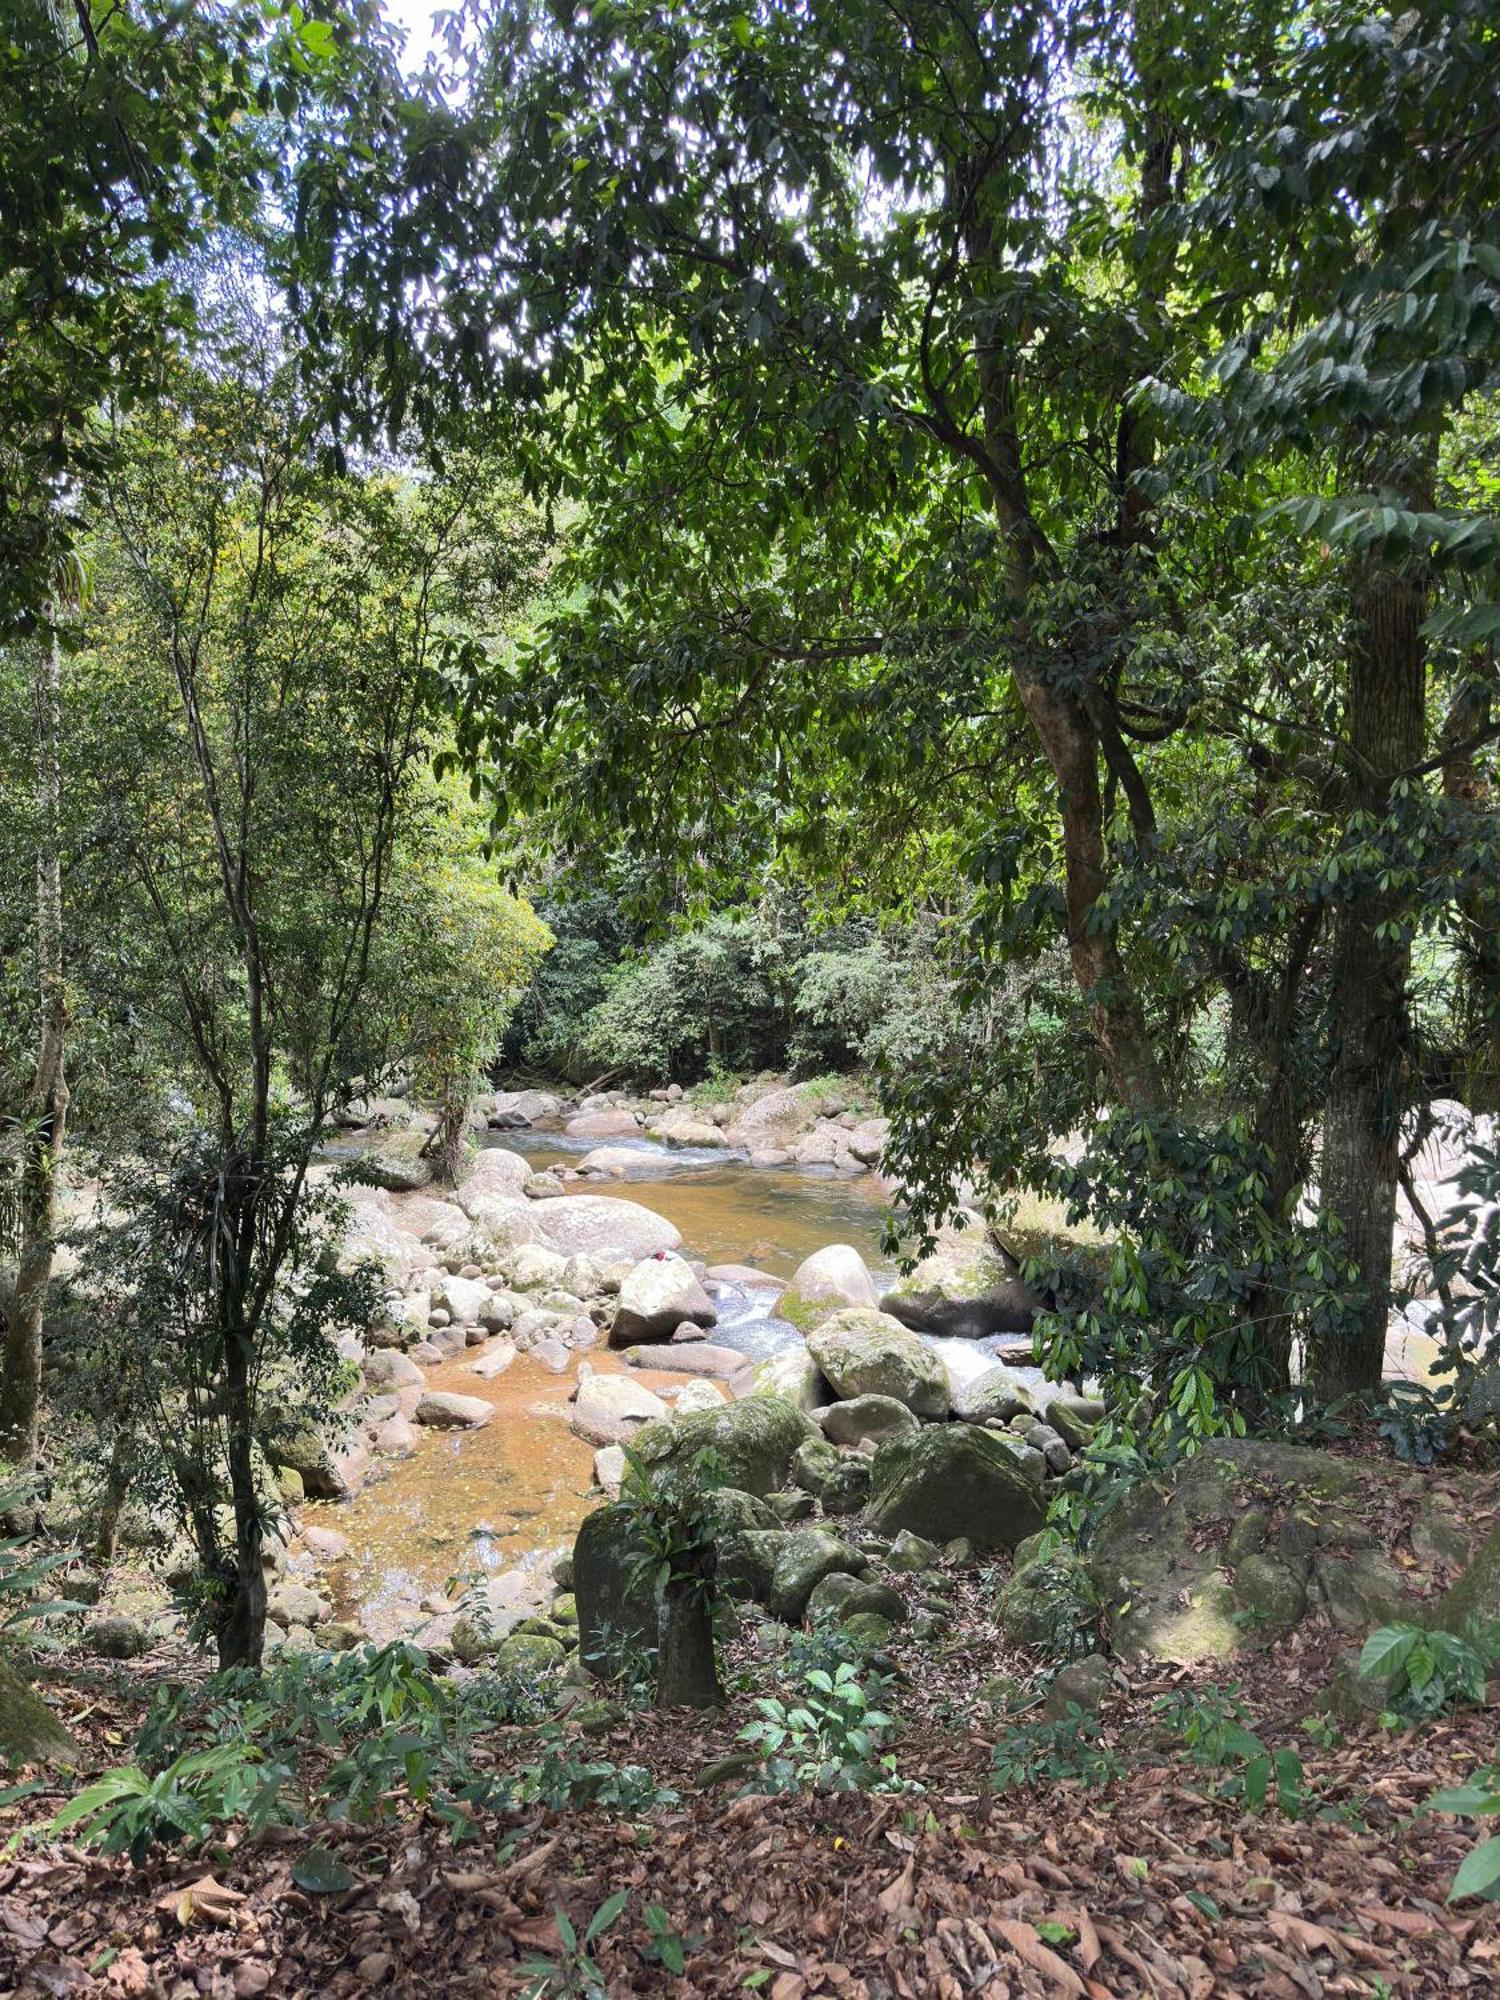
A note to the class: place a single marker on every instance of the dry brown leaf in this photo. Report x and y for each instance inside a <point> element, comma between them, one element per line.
<point>530,1863</point>
<point>1028,1946</point>
<point>1089,1947</point>
<point>897,1893</point>
<point>1310,1937</point>
<point>206,1898</point>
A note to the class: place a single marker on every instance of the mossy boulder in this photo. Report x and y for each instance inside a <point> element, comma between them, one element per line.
<point>840,1482</point>
<point>804,1558</point>
<point>735,1511</point>
<point>843,1596</point>
<point>29,1732</point>
<point>747,1563</point>
<point>396,1161</point>
<point>1234,1546</point>
<point>997,1393</point>
<point>792,1375</point>
<point>827,1282</point>
<point>1271,1594</point>
<point>616,1608</point>
<point>967,1288</point>
<point>531,1653</point>
<point>870,1630</point>
<point>1476,1594</point>
<point>954,1479</point>
<point>865,1353</point>
<point>754,1441</point>
<point>1050,1605</point>
<point>863,1419</point>
<point>1082,1684</point>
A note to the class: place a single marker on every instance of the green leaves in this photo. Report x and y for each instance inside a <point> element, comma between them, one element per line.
<point>1426,1672</point>
<point>1478,1874</point>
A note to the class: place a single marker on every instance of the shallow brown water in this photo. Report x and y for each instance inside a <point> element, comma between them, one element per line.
<point>469,1503</point>
<point>731,1213</point>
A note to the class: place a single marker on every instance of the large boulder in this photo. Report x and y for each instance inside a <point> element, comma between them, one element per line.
<point>1476,1594</point>
<point>496,1175</point>
<point>688,1357</point>
<point>1049,1602</point>
<point>609,1123</point>
<point>966,1289</point>
<point>997,1392</point>
<point>605,1228</point>
<point>396,1160</point>
<point>503,1222</point>
<point>29,1732</point>
<point>462,1299</point>
<point>442,1410</point>
<point>840,1480</point>
<point>826,1282</point>
<point>373,1234</point>
<point>610,1408</point>
<point>865,1353</point>
<point>792,1374</point>
<point>329,1468</point>
<point>441,1224</point>
<point>659,1295</point>
<point>616,1161</point>
<point>389,1368</point>
<point>681,1128</point>
<point>863,1419</point>
<point>616,1600</point>
<point>773,1116</point>
<point>954,1480</point>
<point>510,1109</point>
<point>754,1440</point>
<point>1232,1547</point>
<point>802,1559</point>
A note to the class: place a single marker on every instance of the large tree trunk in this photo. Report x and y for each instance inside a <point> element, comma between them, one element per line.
<point>1362,1119</point>
<point>46,1109</point>
<point>1467,786</point>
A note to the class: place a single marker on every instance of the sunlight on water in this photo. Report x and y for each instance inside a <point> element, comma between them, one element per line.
<point>509,1495</point>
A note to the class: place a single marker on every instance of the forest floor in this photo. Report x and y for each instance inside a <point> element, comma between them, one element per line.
<point>1156,1881</point>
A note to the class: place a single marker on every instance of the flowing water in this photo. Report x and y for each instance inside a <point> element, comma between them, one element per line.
<point>506,1496</point>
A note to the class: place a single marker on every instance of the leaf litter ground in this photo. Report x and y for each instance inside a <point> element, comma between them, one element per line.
<point>1151,1884</point>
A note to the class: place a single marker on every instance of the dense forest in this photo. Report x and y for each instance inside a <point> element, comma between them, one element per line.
<point>749,997</point>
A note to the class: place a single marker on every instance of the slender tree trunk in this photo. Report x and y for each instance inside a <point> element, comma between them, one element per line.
<point>46,1109</point>
<point>242,1634</point>
<point>112,1504</point>
<point>1071,746</point>
<point>1361,1161</point>
<point>687,1674</point>
<point>447,1148</point>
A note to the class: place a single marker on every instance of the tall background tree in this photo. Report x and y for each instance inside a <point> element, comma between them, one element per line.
<point>897,326</point>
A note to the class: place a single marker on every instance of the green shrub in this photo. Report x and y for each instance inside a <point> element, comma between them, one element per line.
<point>1215,1731</point>
<point>1479,1874</point>
<point>1427,1673</point>
<point>830,1738</point>
<point>1070,1749</point>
